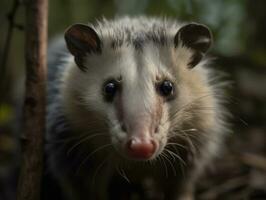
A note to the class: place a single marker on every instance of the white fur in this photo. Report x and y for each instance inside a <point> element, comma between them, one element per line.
<point>139,71</point>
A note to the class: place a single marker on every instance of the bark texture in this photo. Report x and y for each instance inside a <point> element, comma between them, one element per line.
<point>34,106</point>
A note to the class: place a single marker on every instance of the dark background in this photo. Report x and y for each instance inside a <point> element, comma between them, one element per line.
<point>239,28</point>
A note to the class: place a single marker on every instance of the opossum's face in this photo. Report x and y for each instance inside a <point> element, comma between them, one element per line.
<point>134,90</point>
<point>136,95</point>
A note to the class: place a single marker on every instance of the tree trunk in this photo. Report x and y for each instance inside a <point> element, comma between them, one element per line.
<point>29,184</point>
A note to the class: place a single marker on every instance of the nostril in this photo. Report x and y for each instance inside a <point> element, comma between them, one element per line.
<point>156,129</point>
<point>123,127</point>
<point>141,149</point>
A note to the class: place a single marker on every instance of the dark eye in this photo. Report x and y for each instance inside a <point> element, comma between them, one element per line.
<point>109,89</point>
<point>166,88</point>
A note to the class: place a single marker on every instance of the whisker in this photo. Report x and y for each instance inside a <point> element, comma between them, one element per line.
<point>186,106</point>
<point>200,136</point>
<point>91,154</point>
<point>174,155</point>
<point>189,141</point>
<point>67,139</point>
<point>84,140</point>
<point>98,169</point>
<point>122,173</point>
<point>176,144</point>
<point>172,166</point>
<point>165,167</point>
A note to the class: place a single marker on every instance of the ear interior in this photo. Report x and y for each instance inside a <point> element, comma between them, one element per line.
<point>81,40</point>
<point>197,37</point>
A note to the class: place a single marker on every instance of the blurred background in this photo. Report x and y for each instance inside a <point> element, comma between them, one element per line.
<point>239,28</point>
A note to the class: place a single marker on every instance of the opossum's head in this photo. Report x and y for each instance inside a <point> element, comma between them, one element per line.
<point>135,85</point>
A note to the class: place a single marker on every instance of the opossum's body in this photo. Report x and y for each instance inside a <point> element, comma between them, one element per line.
<point>132,105</point>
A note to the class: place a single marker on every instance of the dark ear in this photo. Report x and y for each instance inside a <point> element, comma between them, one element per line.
<point>196,37</point>
<point>82,39</point>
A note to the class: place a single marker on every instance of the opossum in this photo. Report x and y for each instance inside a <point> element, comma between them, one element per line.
<point>132,104</point>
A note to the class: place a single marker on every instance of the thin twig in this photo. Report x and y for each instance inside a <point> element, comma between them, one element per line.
<point>229,185</point>
<point>254,160</point>
<point>11,25</point>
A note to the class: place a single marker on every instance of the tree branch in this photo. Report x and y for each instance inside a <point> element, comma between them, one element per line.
<point>29,185</point>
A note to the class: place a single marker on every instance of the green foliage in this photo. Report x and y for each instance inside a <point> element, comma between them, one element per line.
<point>225,17</point>
<point>6,113</point>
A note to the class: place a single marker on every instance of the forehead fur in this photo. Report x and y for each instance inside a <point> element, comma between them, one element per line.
<point>126,60</point>
<point>135,31</point>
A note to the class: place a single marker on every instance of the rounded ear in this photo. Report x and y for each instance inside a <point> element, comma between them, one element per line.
<point>81,40</point>
<point>197,37</point>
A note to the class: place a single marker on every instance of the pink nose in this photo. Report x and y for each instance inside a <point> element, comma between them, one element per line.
<point>141,149</point>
